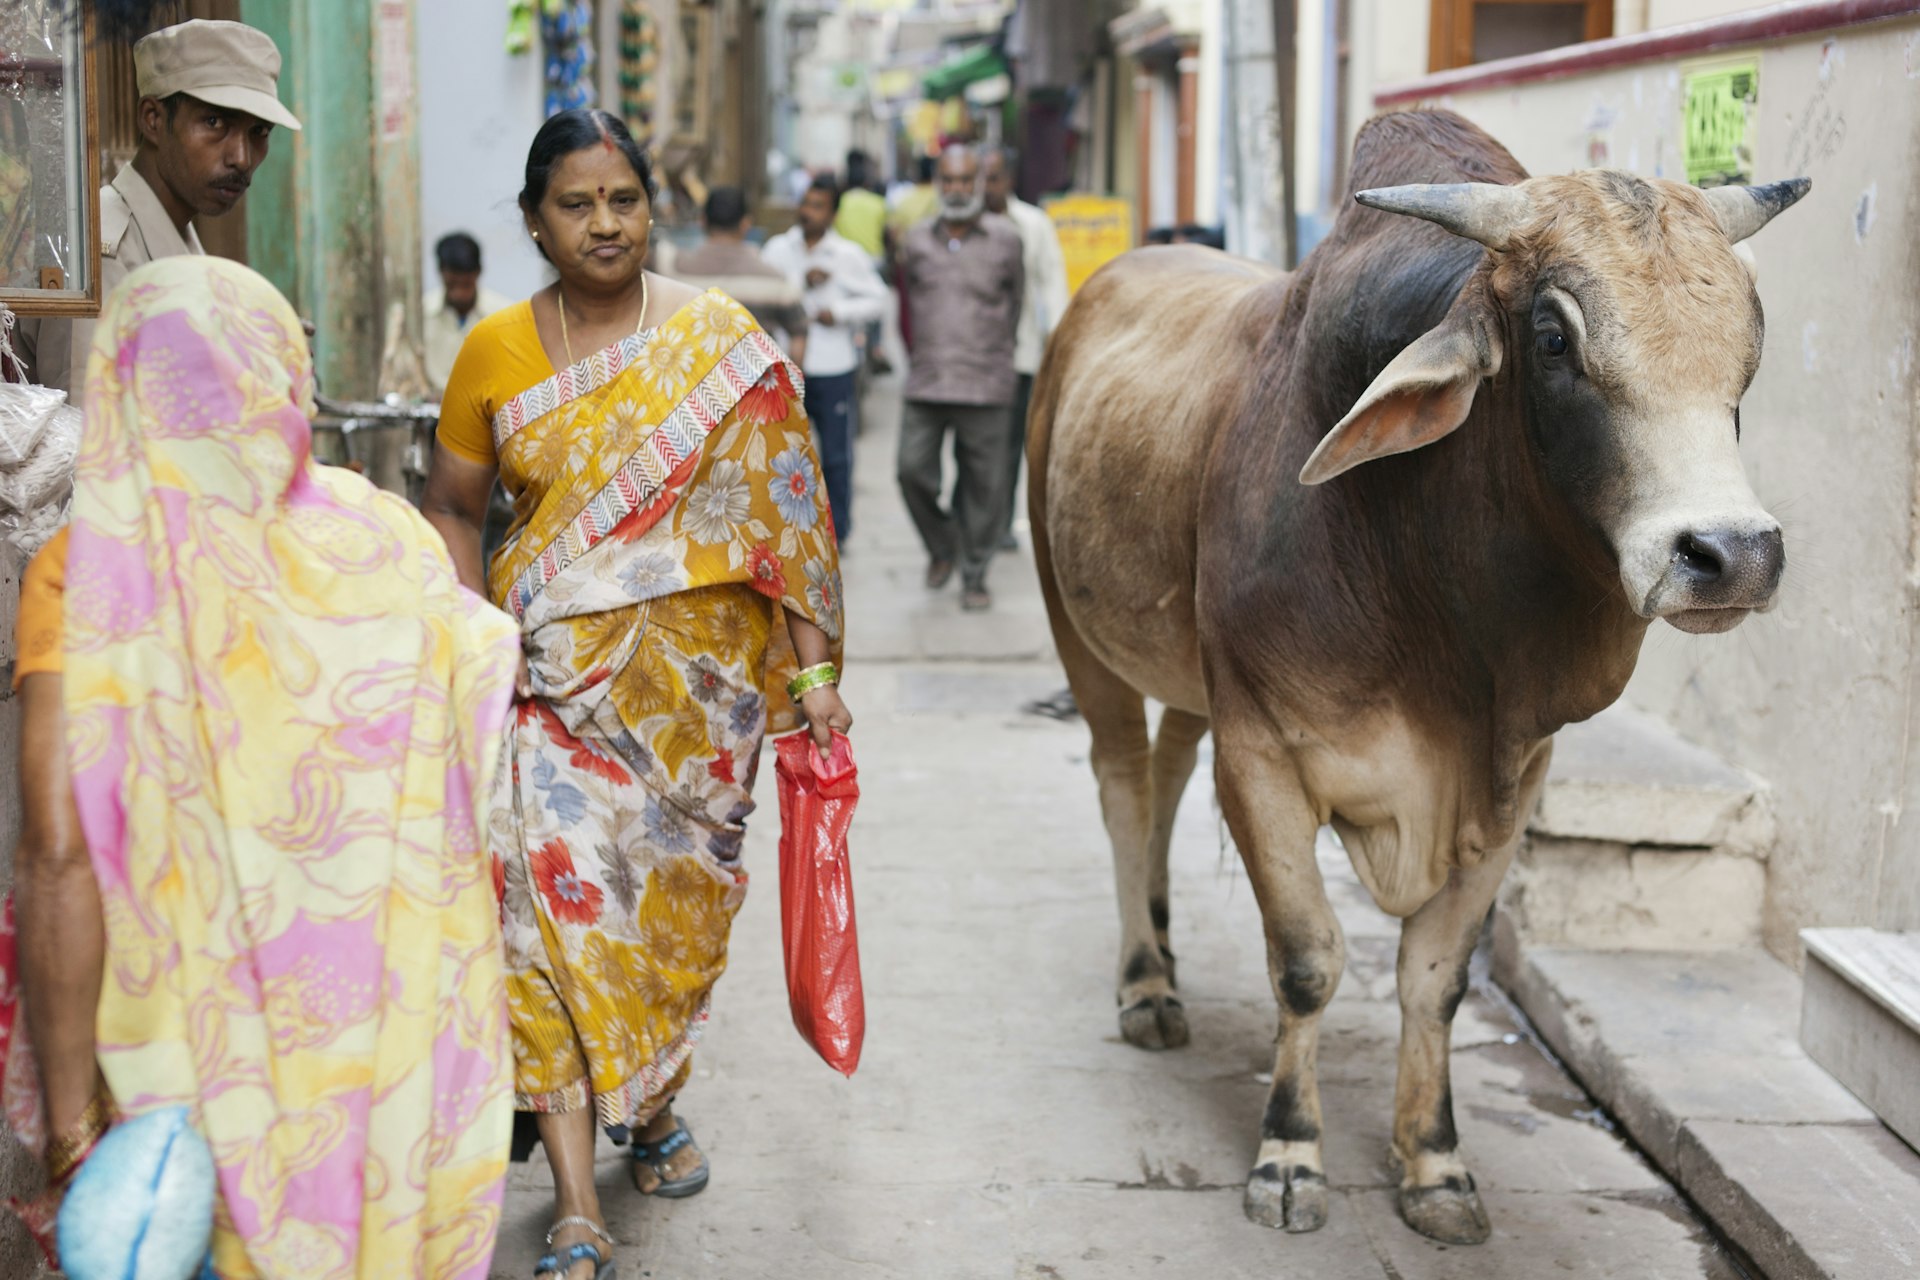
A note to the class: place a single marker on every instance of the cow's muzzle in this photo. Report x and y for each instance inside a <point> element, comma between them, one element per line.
<point>1717,576</point>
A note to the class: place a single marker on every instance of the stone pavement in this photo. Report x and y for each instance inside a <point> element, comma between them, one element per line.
<point>998,1126</point>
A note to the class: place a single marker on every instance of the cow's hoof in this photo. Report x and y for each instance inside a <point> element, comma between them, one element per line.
<point>1450,1213</point>
<point>1294,1201</point>
<point>1157,1022</point>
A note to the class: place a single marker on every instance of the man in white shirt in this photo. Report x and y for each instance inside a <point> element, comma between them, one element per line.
<point>843,293</point>
<point>1042,304</point>
<point>452,310</point>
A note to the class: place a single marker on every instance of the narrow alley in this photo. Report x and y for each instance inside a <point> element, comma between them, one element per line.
<point>998,1126</point>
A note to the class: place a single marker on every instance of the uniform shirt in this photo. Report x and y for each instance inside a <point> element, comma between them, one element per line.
<point>1045,299</point>
<point>446,329</point>
<point>863,220</point>
<point>736,269</point>
<point>134,230</point>
<point>965,293</point>
<point>853,293</point>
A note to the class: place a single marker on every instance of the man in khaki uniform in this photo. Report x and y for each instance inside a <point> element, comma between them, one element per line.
<point>208,104</point>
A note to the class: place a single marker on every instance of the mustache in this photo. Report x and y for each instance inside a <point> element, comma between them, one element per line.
<point>239,182</point>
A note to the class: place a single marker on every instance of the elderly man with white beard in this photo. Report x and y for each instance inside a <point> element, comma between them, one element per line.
<point>963,281</point>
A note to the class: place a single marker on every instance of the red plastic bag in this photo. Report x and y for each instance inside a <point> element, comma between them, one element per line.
<point>816,896</point>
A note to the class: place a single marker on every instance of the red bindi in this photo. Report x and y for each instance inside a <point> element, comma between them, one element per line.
<point>603,191</point>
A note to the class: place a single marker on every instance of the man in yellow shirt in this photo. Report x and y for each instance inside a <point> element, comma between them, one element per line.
<point>917,203</point>
<point>863,211</point>
<point>862,221</point>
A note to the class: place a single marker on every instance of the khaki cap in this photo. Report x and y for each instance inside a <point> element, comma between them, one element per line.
<point>226,64</point>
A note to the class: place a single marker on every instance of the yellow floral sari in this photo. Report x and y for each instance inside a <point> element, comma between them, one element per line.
<point>669,511</point>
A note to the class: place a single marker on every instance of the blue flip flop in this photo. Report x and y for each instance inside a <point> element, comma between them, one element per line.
<point>655,1156</point>
<point>553,1264</point>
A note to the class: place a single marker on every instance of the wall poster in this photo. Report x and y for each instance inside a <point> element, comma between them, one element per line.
<point>1721,102</point>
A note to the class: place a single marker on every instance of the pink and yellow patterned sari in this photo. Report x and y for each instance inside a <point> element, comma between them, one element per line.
<point>671,513</point>
<point>280,710</point>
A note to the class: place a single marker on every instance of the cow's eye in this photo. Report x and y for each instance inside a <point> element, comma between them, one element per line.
<point>1552,344</point>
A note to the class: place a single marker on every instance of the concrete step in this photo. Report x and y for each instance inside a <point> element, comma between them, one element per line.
<point>1695,1054</point>
<point>1642,841</point>
<point>1860,1018</point>
<point>1625,777</point>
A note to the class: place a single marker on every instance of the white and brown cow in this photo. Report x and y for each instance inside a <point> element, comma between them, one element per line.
<point>1385,525</point>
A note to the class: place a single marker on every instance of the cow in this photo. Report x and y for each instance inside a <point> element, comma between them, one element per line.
<point>1383,526</point>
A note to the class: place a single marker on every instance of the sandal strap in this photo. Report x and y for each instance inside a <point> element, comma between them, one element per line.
<point>550,1264</point>
<point>651,1151</point>
<point>577,1221</point>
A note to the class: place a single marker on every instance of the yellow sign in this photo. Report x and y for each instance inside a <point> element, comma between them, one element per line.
<point>1093,230</point>
<point>1718,137</point>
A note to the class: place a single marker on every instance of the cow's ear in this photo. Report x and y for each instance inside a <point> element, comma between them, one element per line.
<point>1422,394</point>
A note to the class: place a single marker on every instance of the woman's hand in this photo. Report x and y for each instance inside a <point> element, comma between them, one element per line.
<point>825,713</point>
<point>522,680</point>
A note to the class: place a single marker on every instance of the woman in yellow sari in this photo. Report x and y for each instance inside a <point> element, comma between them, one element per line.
<point>670,523</point>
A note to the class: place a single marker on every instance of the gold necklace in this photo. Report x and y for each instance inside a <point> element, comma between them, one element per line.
<point>566,341</point>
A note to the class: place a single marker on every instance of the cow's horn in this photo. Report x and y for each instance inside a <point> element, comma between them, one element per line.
<point>1741,211</point>
<point>1482,211</point>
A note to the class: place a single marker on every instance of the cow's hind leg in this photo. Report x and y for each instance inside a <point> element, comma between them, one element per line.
<point>1176,746</point>
<point>1123,762</point>
<point>1437,1194</point>
<point>1151,1015</point>
<point>1268,813</point>
<point>1122,756</point>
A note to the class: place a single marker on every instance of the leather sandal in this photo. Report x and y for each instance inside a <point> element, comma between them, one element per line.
<point>554,1264</point>
<point>655,1156</point>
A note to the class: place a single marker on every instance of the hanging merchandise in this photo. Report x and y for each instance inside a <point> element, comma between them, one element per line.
<point>519,26</point>
<point>39,440</point>
<point>639,60</point>
<point>566,29</point>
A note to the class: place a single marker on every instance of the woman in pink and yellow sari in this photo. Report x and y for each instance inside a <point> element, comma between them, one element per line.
<point>260,713</point>
<point>671,526</point>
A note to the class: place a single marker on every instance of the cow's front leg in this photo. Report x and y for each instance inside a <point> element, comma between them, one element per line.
<point>1267,811</point>
<point>1437,1194</point>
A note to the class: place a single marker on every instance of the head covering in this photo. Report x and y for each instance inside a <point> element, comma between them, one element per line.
<point>227,64</point>
<point>281,708</point>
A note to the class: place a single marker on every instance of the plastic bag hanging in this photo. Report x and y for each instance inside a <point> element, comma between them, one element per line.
<point>817,799</point>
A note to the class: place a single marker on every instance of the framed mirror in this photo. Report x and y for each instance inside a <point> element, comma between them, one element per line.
<point>49,161</point>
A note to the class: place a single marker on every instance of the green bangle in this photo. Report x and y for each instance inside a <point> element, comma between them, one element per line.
<point>814,677</point>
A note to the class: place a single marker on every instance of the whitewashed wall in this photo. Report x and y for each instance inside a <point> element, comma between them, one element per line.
<point>479,108</point>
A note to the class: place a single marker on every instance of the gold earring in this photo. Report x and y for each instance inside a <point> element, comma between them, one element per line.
<point>536,235</point>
